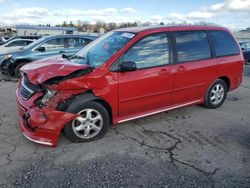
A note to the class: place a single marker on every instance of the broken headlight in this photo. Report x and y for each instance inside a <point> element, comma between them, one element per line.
<point>48,95</point>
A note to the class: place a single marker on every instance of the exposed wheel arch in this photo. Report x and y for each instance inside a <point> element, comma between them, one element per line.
<point>106,105</point>
<point>84,98</point>
<point>226,80</point>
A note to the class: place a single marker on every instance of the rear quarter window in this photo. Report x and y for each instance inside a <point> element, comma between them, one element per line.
<point>224,44</point>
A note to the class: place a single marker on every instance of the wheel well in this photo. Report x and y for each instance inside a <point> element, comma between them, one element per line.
<point>106,105</point>
<point>21,61</point>
<point>87,97</point>
<point>226,80</point>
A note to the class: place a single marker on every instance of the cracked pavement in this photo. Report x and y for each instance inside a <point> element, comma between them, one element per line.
<point>187,147</point>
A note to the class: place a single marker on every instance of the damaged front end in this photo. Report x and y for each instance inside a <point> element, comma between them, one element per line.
<point>42,105</point>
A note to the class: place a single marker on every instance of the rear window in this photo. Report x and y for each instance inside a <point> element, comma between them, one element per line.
<point>192,45</point>
<point>224,43</point>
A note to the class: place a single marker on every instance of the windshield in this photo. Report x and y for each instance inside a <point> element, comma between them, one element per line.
<point>102,49</point>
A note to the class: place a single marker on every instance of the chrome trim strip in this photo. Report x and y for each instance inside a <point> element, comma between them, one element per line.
<point>36,141</point>
<point>23,84</point>
<point>159,111</point>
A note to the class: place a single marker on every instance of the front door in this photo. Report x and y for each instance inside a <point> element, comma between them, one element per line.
<point>52,47</point>
<point>149,87</point>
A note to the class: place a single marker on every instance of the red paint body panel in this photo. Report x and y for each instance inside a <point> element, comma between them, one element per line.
<point>131,94</point>
<point>136,90</point>
<point>42,125</point>
<point>192,82</point>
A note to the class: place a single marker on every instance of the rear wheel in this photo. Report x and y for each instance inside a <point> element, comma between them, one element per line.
<point>17,69</point>
<point>92,123</point>
<point>216,94</point>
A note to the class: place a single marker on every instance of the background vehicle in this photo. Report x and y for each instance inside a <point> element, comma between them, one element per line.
<point>14,44</point>
<point>245,46</point>
<point>148,71</point>
<point>2,40</point>
<point>44,48</point>
<point>19,37</point>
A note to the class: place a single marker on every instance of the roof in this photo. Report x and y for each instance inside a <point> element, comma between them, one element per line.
<point>18,39</point>
<point>162,27</point>
<point>45,27</point>
<point>71,35</point>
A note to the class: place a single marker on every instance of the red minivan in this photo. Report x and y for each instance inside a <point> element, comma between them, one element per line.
<point>126,74</point>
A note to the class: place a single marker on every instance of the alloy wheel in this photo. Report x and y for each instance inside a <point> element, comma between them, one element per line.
<point>217,94</point>
<point>88,124</point>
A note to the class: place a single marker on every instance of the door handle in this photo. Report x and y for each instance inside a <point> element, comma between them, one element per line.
<point>163,71</point>
<point>181,69</point>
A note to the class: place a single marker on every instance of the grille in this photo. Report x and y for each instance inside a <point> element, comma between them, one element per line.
<point>26,92</point>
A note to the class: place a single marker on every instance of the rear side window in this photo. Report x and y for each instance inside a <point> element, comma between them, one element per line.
<point>192,45</point>
<point>224,43</point>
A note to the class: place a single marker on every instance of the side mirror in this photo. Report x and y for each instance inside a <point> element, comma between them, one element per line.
<point>41,49</point>
<point>128,66</point>
<point>64,56</point>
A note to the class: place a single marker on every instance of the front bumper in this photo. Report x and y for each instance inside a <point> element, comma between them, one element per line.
<point>42,126</point>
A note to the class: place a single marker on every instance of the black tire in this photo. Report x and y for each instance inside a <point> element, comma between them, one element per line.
<point>17,69</point>
<point>209,103</point>
<point>76,108</point>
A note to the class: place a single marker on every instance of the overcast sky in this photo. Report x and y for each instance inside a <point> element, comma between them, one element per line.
<point>230,13</point>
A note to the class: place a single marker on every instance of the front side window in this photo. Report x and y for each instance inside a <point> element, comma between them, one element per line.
<point>102,49</point>
<point>150,51</point>
<point>192,45</point>
<point>54,44</point>
<point>224,43</point>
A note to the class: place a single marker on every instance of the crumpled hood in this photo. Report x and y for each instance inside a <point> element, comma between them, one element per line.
<point>43,70</point>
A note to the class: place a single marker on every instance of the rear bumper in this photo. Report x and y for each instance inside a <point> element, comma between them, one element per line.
<point>42,126</point>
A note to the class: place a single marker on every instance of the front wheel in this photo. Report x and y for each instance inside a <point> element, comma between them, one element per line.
<point>216,94</point>
<point>92,123</point>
